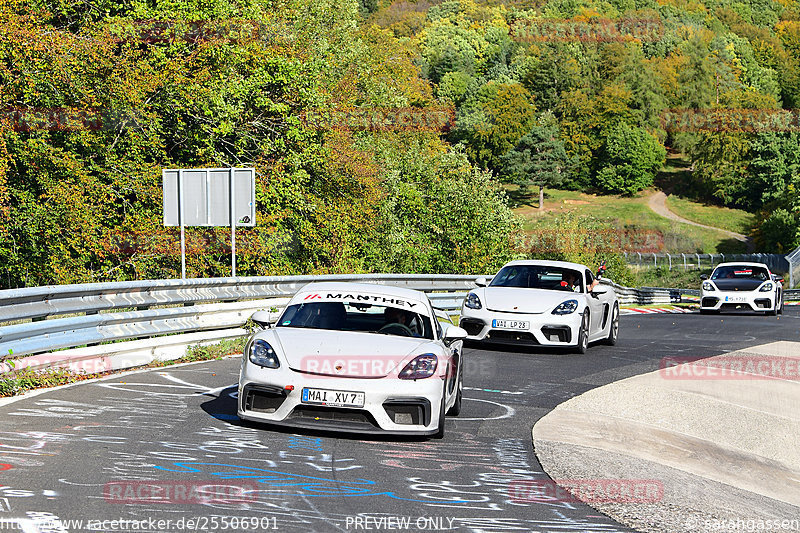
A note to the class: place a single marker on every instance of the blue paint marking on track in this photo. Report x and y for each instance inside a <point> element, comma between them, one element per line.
<point>313,487</point>
<point>223,416</point>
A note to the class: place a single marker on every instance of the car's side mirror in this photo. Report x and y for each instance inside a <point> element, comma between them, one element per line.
<point>780,280</point>
<point>481,282</point>
<point>264,318</point>
<point>704,276</point>
<point>454,333</point>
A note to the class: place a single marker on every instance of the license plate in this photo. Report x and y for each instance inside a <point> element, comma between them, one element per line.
<point>735,298</point>
<point>333,398</point>
<point>511,324</point>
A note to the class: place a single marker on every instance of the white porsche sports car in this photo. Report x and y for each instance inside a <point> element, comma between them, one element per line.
<point>547,303</point>
<point>354,357</point>
<point>749,286</point>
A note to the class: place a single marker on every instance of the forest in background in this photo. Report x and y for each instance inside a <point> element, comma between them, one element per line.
<point>98,97</point>
<point>591,94</point>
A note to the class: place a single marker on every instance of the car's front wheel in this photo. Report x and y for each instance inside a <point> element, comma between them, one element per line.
<point>440,429</point>
<point>583,334</point>
<point>456,409</point>
<point>613,330</point>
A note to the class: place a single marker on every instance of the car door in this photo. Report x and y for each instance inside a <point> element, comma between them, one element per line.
<point>596,305</point>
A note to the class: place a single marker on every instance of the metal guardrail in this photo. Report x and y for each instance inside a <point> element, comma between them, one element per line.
<point>200,309</point>
<point>775,262</point>
<point>794,268</point>
<point>203,304</point>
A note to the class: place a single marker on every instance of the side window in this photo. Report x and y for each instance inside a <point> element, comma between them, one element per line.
<point>589,279</point>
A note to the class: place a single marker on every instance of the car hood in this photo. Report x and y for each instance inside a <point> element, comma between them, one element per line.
<point>346,353</point>
<point>737,284</point>
<point>515,300</point>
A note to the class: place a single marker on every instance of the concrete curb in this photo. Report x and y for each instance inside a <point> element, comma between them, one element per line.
<point>724,450</point>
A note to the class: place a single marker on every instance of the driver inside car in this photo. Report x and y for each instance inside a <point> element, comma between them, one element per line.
<point>571,281</point>
<point>393,315</point>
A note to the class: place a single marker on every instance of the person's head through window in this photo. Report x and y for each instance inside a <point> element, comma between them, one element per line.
<point>571,281</point>
<point>393,315</point>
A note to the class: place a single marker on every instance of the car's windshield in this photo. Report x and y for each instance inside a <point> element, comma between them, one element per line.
<point>539,277</point>
<point>741,272</point>
<point>357,316</point>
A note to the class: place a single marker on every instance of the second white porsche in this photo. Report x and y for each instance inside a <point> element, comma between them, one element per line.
<point>542,303</point>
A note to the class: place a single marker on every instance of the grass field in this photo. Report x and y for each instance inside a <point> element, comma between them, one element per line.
<point>719,217</point>
<point>633,213</point>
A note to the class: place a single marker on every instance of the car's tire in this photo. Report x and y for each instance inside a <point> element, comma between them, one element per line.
<point>613,330</point>
<point>780,301</point>
<point>583,334</point>
<point>440,430</point>
<point>456,409</point>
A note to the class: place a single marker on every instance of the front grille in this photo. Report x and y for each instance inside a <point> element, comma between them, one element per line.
<point>764,303</point>
<point>522,337</point>
<point>345,417</point>
<point>263,399</point>
<point>472,326</point>
<point>709,302</point>
<point>416,411</point>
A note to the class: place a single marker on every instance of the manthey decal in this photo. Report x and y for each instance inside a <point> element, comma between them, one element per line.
<point>353,297</point>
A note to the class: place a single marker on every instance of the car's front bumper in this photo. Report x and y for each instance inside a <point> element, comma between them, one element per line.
<point>722,300</point>
<point>391,405</point>
<point>545,329</point>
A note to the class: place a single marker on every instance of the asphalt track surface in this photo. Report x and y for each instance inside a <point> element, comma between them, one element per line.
<point>83,453</point>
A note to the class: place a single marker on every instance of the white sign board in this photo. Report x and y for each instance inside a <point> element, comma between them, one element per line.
<point>207,196</point>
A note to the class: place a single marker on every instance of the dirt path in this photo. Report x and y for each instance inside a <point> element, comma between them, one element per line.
<point>658,203</point>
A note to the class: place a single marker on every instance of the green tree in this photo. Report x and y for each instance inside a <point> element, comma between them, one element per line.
<point>539,158</point>
<point>631,158</point>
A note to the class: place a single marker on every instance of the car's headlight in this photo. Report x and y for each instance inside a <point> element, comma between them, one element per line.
<point>565,308</point>
<point>708,286</point>
<point>472,301</point>
<point>421,367</point>
<point>765,287</point>
<point>262,354</point>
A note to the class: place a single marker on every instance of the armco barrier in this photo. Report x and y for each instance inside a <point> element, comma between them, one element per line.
<point>109,326</point>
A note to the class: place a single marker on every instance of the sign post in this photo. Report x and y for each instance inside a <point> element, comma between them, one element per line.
<point>209,197</point>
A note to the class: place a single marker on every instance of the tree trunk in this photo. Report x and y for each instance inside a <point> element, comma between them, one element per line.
<point>541,196</point>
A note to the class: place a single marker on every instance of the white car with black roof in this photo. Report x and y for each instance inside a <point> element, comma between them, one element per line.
<point>542,303</point>
<point>741,286</point>
<point>354,357</point>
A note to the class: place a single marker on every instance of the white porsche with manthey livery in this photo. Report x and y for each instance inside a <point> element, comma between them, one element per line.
<point>354,357</point>
<point>542,303</point>
<point>748,286</point>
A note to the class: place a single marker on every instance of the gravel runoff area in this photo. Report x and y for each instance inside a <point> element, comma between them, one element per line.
<point>722,444</point>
